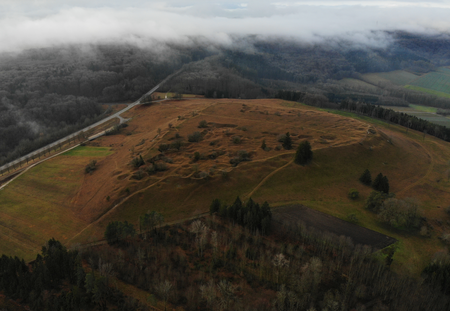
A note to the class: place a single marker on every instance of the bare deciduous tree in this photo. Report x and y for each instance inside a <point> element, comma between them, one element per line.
<point>164,290</point>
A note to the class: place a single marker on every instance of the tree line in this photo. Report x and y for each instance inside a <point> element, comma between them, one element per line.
<point>400,118</point>
<point>249,215</point>
<point>56,280</point>
<point>292,268</point>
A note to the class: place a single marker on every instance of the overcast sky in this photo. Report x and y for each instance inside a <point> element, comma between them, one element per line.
<point>40,23</point>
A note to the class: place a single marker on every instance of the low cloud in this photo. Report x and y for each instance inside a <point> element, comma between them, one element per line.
<point>27,24</point>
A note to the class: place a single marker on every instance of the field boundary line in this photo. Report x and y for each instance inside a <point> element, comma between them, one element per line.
<point>35,164</point>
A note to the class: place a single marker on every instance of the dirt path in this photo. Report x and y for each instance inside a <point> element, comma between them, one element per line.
<point>267,177</point>
<point>427,174</point>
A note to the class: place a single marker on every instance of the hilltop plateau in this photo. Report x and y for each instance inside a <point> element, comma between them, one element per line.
<point>195,150</point>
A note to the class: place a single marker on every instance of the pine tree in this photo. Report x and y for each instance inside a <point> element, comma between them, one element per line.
<point>304,153</point>
<point>381,183</point>
<point>378,182</point>
<point>385,184</point>
<point>215,206</point>
<point>366,178</point>
<point>287,142</point>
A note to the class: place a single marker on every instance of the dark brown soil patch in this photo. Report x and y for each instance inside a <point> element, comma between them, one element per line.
<point>218,125</point>
<point>328,137</point>
<point>327,223</point>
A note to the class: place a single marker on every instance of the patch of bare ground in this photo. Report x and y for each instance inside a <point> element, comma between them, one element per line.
<point>302,215</point>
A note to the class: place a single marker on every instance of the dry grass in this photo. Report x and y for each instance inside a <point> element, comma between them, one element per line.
<point>342,150</point>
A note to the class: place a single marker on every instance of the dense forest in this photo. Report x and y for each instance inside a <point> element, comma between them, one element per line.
<point>47,93</point>
<point>223,263</point>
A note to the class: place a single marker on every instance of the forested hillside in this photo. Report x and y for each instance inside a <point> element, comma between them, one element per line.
<point>48,93</point>
<point>60,89</point>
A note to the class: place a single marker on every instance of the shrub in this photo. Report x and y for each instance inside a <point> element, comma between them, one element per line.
<point>352,218</point>
<point>241,156</point>
<point>195,137</point>
<point>400,213</point>
<point>203,124</point>
<point>168,160</point>
<point>375,201</point>
<point>139,174</point>
<point>196,156</point>
<point>151,169</point>
<point>116,129</point>
<point>237,139</point>
<point>213,155</point>
<point>263,145</point>
<point>163,147</point>
<point>92,166</point>
<point>353,194</point>
<point>177,144</point>
<point>137,162</point>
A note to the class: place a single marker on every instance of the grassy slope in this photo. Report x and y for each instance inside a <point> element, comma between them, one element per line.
<point>35,207</point>
<point>414,167</point>
<point>429,91</point>
<point>437,81</point>
<point>398,77</point>
<point>358,83</point>
<point>423,108</point>
<point>434,83</point>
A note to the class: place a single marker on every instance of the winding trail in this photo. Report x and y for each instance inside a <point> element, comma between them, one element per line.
<point>427,174</point>
<point>267,177</point>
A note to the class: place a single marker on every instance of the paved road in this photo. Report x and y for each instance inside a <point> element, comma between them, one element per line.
<point>74,135</point>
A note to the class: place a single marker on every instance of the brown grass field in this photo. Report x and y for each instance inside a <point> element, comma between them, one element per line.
<point>56,199</point>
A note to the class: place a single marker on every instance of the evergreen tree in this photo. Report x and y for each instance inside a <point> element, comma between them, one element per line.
<point>378,182</point>
<point>287,142</point>
<point>385,185</point>
<point>366,178</point>
<point>215,206</point>
<point>381,183</point>
<point>304,153</point>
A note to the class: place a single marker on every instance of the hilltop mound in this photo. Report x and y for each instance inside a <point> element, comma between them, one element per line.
<point>183,171</point>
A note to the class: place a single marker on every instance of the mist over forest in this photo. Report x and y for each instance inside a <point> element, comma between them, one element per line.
<point>46,93</point>
<point>134,230</point>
